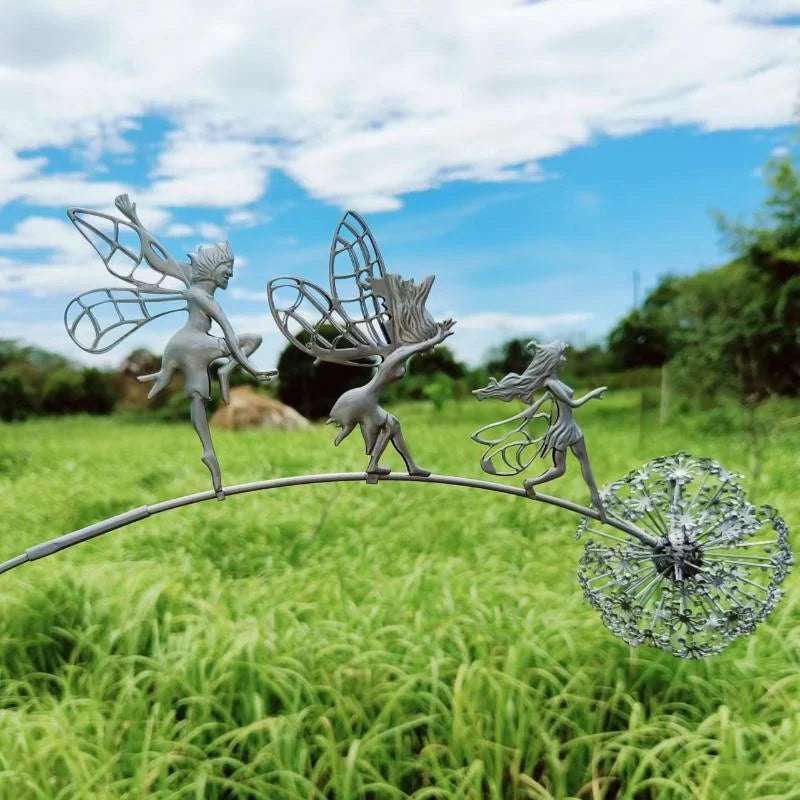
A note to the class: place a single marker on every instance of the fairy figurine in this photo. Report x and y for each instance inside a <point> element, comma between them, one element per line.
<point>514,443</point>
<point>370,318</point>
<point>100,319</point>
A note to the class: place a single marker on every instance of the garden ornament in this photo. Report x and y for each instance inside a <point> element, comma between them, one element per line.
<point>674,554</point>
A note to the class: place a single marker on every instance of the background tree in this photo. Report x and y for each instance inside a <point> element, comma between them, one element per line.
<point>16,400</point>
<point>512,356</point>
<point>34,381</point>
<point>647,336</point>
<point>312,388</point>
<point>435,375</point>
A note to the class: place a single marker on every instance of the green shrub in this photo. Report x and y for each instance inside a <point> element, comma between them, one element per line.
<point>16,400</point>
<point>63,392</point>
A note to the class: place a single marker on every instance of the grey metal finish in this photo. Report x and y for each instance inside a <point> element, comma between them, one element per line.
<point>696,565</point>
<point>370,318</point>
<point>514,444</point>
<point>100,319</point>
<point>134,515</point>
<point>714,572</point>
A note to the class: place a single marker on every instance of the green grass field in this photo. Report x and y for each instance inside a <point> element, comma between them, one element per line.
<point>355,641</point>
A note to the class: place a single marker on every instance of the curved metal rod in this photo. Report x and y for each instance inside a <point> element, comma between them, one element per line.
<point>121,520</point>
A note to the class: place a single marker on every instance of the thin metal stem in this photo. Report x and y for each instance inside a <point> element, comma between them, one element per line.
<point>126,518</point>
<point>658,610</point>
<point>616,539</point>
<point>747,561</point>
<point>740,546</point>
<point>644,595</point>
<point>697,493</point>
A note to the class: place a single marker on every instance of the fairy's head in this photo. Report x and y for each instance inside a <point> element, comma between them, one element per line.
<point>212,262</point>
<point>547,360</point>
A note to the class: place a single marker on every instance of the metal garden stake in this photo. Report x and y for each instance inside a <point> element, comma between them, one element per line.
<point>674,556</point>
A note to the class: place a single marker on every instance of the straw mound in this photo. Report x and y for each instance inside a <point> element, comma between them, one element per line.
<point>248,409</point>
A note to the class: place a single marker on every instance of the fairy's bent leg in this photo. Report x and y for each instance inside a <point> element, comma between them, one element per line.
<point>160,379</point>
<point>379,445</point>
<point>399,444</point>
<point>200,422</point>
<point>249,342</point>
<point>556,471</point>
<point>579,449</point>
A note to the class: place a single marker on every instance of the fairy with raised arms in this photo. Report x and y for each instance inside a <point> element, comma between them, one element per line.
<point>100,319</point>
<point>371,318</point>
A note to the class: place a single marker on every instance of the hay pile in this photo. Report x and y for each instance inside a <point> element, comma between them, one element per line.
<point>248,409</point>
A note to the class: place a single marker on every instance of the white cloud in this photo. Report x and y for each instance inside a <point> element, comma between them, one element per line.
<point>362,103</point>
<point>207,231</point>
<point>520,323</point>
<point>210,231</point>
<point>475,334</point>
<point>248,295</point>
<point>359,103</point>
<point>62,260</point>
<point>179,230</point>
<point>763,9</point>
<point>245,218</point>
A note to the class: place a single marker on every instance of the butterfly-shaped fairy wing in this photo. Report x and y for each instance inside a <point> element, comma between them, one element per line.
<point>354,262</point>
<point>512,444</point>
<point>100,319</point>
<point>128,251</point>
<point>349,325</point>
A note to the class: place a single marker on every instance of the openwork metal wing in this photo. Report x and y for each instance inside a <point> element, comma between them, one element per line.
<point>100,319</point>
<point>127,249</point>
<point>354,263</point>
<point>512,444</point>
<point>315,323</point>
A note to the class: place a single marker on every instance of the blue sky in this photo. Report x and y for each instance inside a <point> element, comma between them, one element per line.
<point>532,157</point>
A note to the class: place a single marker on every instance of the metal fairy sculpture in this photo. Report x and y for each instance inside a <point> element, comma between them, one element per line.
<point>675,556</point>
<point>100,319</point>
<point>514,443</point>
<point>370,318</point>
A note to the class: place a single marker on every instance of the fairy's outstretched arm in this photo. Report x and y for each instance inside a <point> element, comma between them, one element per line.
<point>555,389</point>
<point>404,352</point>
<point>214,310</point>
<point>152,251</point>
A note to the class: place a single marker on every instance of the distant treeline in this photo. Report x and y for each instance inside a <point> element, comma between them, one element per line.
<point>35,382</point>
<point>732,331</point>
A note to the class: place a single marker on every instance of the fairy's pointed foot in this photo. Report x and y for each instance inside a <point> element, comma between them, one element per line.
<point>488,467</point>
<point>530,489</point>
<point>210,460</point>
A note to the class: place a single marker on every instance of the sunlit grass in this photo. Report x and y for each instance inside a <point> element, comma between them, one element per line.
<point>345,641</point>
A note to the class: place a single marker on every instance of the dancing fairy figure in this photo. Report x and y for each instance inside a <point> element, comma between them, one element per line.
<point>100,319</point>
<point>514,443</point>
<point>371,318</point>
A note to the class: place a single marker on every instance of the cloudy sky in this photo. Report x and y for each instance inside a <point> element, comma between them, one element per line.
<point>532,155</point>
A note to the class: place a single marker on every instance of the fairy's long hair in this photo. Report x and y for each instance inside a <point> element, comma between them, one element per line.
<point>545,363</point>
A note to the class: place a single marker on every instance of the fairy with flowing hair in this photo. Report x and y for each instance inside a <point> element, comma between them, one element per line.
<point>514,443</point>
